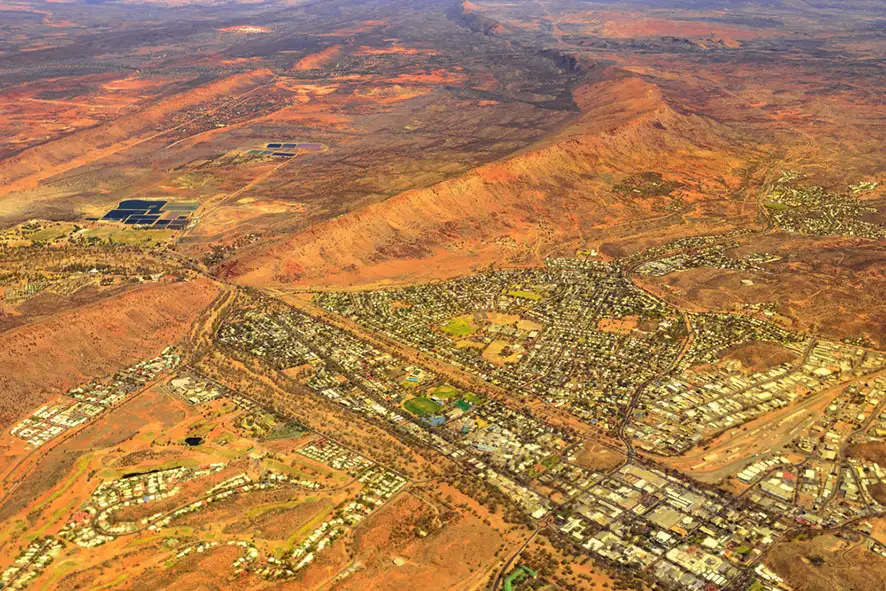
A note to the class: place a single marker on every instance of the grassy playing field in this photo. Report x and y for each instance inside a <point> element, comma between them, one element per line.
<point>526,295</point>
<point>421,407</point>
<point>460,326</point>
<point>446,392</point>
<point>471,397</point>
<point>450,393</point>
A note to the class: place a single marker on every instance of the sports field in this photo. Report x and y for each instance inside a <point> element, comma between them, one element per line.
<point>525,294</point>
<point>460,326</point>
<point>446,392</point>
<point>451,393</point>
<point>422,407</point>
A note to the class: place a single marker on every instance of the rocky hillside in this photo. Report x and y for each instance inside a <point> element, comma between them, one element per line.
<point>512,211</point>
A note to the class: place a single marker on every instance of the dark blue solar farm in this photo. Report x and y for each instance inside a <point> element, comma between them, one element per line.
<point>286,149</point>
<point>154,213</point>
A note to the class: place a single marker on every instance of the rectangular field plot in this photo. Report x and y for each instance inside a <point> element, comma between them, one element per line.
<point>312,146</point>
<point>153,213</point>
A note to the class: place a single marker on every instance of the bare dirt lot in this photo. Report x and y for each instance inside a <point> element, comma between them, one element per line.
<point>828,563</point>
<point>760,356</point>
<point>595,456</point>
<point>409,546</point>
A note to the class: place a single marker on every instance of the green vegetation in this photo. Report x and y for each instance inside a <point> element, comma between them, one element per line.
<point>142,541</point>
<point>79,469</point>
<point>59,514</point>
<point>863,187</point>
<point>224,439</point>
<point>518,574</point>
<point>773,206</point>
<point>50,233</point>
<point>286,431</point>
<point>525,294</point>
<point>756,586</point>
<point>549,462</point>
<point>226,453</point>
<point>410,382</point>
<point>472,397</point>
<point>114,474</point>
<point>462,405</point>
<point>283,468</point>
<point>200,429</point>
<point>325,510</point>
<point>422,407</point>
<point>460,326</point>
<point>446,392</point>
<point>60,570</point>
<point>266,426</point>
<point>451,394</point>
<point>129,236</point>
<point>113,584</point>
<point>260,510</point>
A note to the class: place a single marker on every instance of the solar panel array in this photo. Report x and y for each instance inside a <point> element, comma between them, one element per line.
<point>294,146</point>
<point>152,212</point>
<point>285,150</point>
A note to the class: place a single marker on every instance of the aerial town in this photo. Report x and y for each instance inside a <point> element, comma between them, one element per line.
<point>640,515</point>
<point>649,381</point>
<point>449,295</point>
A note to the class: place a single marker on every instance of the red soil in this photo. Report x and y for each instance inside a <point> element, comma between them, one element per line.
<point>46,358</point>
